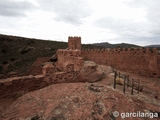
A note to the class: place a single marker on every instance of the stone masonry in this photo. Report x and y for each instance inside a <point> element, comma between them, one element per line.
<point>70,59</point>
<point>74,43</point>
<point>139,61</point>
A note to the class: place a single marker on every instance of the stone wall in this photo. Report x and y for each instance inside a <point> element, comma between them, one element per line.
<point>139,61</point>
<point>69,60</point>
<point>36,67</point>
<point>12,87</point>
<point>74,43</point>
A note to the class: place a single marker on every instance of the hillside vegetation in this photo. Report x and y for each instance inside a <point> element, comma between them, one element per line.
<point>17,54</point>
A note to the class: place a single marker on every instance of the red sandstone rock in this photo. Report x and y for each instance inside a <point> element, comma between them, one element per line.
<point>74,101</point>
<point>92,72</point>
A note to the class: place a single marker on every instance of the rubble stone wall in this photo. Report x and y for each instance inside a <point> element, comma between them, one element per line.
<point>12,86</point>
<point>36,67</point>
<point>69,60</point>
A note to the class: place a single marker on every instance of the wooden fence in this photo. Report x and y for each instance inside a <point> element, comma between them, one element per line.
<point>134,84</point>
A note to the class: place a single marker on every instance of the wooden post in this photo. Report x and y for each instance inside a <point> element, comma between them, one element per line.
<point>124,85</point>
<point>132,86</point>
<point>127,81</point>
<point>115,79</point>
<point>138,85</point>
<point>112,68</point>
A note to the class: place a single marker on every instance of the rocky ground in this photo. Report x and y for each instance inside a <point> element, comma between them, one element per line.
<point>83,101</point>
<point>75,101</point>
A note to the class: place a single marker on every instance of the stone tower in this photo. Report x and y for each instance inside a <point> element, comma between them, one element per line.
<point>74,43</point>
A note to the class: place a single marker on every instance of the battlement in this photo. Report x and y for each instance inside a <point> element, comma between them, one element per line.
<point>74,43</point>
<point>63,52</point>
<point>133,51</point>
<point>137,60</point>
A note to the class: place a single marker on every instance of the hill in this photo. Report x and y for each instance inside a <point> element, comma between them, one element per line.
<point>108,45</point>
<point>152,46</point>
<point>17,54</point>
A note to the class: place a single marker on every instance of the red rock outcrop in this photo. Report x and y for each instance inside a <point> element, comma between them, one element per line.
<point>91,72</point>
<point>74,101</point>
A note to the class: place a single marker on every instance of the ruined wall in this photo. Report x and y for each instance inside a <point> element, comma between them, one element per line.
<point>36,67</point>
<point>139,61</point>
<point>74,43</point>
<point>69,60</point>
<point>14,86</point>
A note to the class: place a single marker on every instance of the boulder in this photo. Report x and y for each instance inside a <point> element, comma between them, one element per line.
<point>92,72</point>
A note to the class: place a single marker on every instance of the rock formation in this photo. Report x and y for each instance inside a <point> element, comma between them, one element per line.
<point>74,101</point>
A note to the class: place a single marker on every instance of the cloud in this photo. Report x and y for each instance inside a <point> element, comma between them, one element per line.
<point>138,23</point>
<point>123,27</point>
<point>14,8</point>
<point>68,11</point>
<point>152,13</point>
<point>116,21</point>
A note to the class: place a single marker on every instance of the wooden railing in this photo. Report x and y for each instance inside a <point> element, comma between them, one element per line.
<point>127,82</point>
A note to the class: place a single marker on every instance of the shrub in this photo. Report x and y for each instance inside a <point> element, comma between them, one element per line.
<point>3,50</point>
<point>30,42</point>
<point>26,50</point>
<point>12,59</point>
<point>1,69</point>
<point>5,62</point>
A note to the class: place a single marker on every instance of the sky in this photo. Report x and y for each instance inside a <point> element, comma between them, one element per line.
<point>114,21</point>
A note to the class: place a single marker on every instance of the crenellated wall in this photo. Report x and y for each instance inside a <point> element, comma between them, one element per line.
<point>74,43</point>
<point>139,61</point>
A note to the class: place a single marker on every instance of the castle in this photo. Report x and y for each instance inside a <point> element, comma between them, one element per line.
<point>70,62</point>
<point>139,61</point>
<point>142,61</point>
<point>70,59</point>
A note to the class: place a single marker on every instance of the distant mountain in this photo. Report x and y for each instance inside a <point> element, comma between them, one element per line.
<point>157,46</point>
<point>122,45</point>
